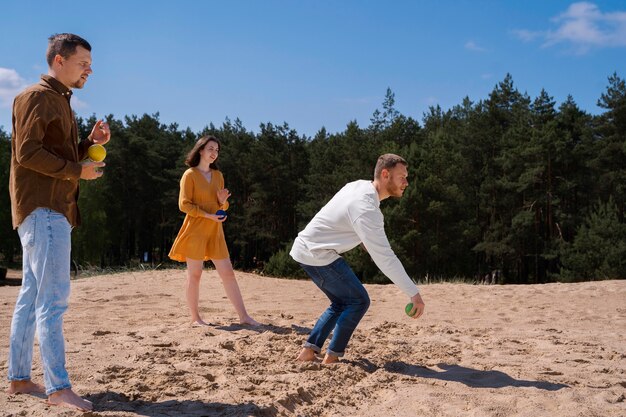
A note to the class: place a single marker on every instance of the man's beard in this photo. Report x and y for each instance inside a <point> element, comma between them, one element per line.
<point>394,190</point>
<point>79,83</point>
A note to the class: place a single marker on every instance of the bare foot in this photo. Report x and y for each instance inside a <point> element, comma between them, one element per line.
<point>329,359</point>
<point>25,387</point>
<point>68,398</point>
<point>199,323</point>
<point>250,321</point>
<point>306,355</point>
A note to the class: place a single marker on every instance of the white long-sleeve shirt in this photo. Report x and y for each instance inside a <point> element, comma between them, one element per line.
<point>352,216</point>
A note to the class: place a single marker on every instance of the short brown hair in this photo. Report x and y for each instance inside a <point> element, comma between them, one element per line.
<point>388,161</point>
<point>193,157</point>
<point>64,44</point>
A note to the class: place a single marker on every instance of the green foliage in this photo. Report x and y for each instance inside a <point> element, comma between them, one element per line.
<point>383,120</point>
<point>282,265</point>
<point>9,240</point>
<point>498,184</point>
<point>599,248</point>
<point>132,210</point>
<point>610,157</point>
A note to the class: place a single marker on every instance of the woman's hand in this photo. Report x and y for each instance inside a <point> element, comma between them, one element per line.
<point>215,217</point>
<point>222,195</point>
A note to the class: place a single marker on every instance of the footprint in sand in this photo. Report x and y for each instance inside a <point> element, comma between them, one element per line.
<point>102,333</point>
<point>228,345</point>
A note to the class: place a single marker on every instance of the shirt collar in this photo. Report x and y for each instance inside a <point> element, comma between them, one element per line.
<point>57,86</point>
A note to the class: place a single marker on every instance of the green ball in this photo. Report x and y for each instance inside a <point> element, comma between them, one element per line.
<point>408,309</point>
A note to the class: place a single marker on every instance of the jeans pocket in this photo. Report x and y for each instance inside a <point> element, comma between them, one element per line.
<point>336,271</point>
<point>59,220</point>
<point>26,230</point>
<point>340,267</point>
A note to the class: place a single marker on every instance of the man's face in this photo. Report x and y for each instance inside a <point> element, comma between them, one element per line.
<point>396,180</point>
<point>74,71</point>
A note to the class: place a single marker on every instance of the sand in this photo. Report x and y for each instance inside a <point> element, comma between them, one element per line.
<point>533,350</point>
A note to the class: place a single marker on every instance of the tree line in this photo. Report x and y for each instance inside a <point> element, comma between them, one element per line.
<point>510,183</point>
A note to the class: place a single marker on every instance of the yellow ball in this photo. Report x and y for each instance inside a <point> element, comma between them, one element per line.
<point>96,153</point>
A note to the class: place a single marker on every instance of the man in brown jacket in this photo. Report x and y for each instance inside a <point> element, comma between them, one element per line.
<point>45,170</point>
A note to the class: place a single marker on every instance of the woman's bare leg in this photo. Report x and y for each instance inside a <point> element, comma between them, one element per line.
<point>225,271</point>
<point>192,289</point>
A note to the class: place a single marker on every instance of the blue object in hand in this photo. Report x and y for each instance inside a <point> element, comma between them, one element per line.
<point>221,214</point>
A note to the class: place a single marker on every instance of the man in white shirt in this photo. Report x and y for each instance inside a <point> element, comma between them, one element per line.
<point>351,217</point>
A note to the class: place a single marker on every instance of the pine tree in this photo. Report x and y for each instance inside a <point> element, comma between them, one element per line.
<point>599,248</point>
<point>611,154</point>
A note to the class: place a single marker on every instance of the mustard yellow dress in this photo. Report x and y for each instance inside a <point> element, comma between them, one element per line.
<point>200,238</point>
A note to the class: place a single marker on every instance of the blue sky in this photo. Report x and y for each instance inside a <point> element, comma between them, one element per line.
<point>313,63</point>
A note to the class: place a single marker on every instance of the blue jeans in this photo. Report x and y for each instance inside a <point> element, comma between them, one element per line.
<point>42,301</point>
<point>348,303</point>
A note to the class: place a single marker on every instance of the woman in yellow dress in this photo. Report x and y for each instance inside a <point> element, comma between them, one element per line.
<point>201,237</point>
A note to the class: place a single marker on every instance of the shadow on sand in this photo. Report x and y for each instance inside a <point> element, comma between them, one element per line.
<point>266,328</point>
<point>471,377</point>
<point>113,401</point>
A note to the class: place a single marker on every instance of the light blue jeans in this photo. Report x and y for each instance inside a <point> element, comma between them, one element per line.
<point>42,301</point>
<point>348,303</point>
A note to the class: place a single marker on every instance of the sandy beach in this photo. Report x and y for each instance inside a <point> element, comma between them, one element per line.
<point>533,350</point>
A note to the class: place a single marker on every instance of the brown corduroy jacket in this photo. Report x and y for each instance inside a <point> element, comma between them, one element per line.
<point>45,152</point>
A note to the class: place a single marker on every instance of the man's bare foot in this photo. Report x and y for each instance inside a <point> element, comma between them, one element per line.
<point>68,398</point>
<point>250,321</point>
<point>328,359</point>
<point>25,387</point>
<point>306,355</point>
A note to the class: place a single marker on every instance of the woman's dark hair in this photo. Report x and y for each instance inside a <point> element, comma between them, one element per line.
<point>193,157</point>
<point>64,44</point>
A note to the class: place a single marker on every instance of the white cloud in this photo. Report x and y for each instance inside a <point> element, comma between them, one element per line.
<point>583,26</point>
<point>77,103</point>
<point>527,35</point>
<point>472,46</point>
<point>11,83</point>
<point>486,76</point>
